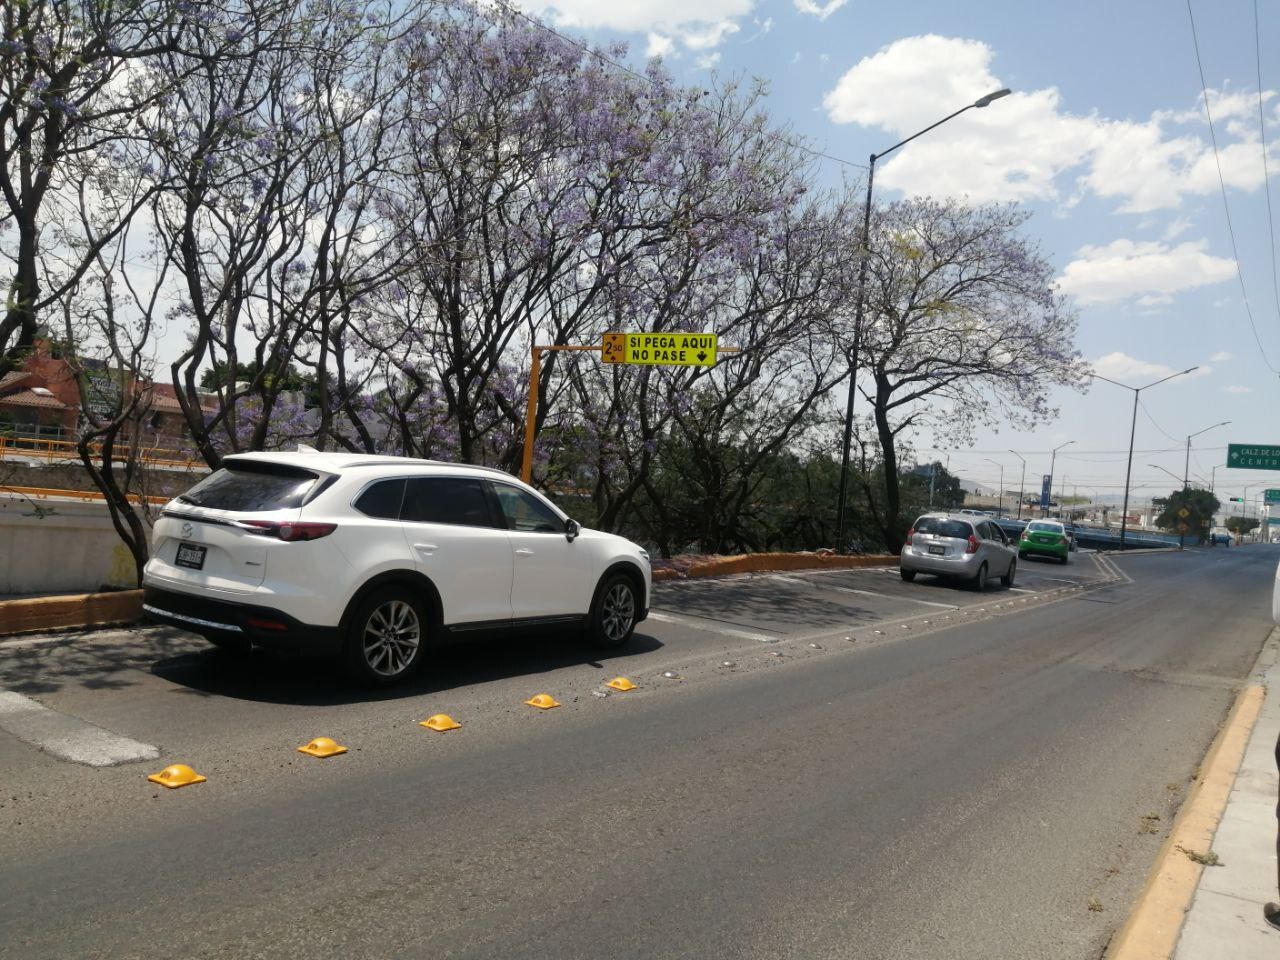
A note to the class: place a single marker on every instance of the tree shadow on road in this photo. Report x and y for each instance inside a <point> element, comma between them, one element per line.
<point>92,659</point>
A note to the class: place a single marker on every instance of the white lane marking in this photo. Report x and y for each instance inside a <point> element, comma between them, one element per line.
<point>1020,590</point>
<point>711,627</point>
<point>781,579</point>
<point>890,596</point>
<point>68,738</point>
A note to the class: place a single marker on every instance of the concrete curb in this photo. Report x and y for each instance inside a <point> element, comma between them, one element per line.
<point>764,562</point>
<point>1152,930</point>
<point>78,611</point>
<point>87,610</point>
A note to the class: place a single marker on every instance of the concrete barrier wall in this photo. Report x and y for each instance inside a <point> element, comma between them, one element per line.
<point>60,546</point>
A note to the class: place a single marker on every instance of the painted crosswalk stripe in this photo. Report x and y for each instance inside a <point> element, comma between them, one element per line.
<point>68,738</point>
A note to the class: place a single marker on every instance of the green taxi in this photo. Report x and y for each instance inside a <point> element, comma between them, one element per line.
<point>1045,538</point>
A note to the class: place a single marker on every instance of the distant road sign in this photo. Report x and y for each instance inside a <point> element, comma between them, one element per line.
<point>1184,513</point>
<point>1244,456</point>
<point>1273,496</point>
<point>1046,485</point>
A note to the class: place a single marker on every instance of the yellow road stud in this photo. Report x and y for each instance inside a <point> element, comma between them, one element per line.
<point>621,683</point>
<point>178,775</point>
<point>440,722</point>
<point>543,701</point>
<point>322,747</point>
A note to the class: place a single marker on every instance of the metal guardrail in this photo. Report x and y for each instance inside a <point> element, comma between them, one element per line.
<point>89,496</point>
<point>18,446</point>
<point>1105,539</point>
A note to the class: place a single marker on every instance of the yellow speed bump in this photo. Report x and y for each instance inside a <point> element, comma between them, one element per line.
<point>543,701</point>
<point>178,775</point>
<point>322,747</point>
<point>621,683</point>
<point>440,723</point>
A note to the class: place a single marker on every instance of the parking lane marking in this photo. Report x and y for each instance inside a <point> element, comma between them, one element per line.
<point>892,596</point>
<point>711,627</point>
<point>66,737</point>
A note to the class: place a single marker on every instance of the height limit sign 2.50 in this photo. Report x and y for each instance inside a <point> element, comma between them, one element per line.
<point>660,349</point>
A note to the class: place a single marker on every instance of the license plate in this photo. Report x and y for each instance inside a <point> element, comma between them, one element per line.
<point>190,555</point>
<point>937,549</point>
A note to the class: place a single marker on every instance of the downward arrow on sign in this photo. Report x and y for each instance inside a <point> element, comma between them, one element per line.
<point>702,354</point>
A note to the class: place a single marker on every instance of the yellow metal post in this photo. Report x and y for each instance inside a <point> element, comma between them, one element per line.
<point>531,415</point>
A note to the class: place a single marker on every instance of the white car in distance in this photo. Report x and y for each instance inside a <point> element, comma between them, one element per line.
<point>371,558</point>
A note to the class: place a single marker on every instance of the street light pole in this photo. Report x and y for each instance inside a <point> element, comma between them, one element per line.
<point>864,256</point>
<point>1044,510</point>
<point>1133,427</point>
<point>1186,468</point>
<point>1022,484</point>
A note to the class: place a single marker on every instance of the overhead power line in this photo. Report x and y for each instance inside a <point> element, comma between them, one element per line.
<point>1266,174</point>
<point>1222,185</point>
<point>1156,425</point>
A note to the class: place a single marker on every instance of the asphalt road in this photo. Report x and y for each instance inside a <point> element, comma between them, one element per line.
<point>964,776</point>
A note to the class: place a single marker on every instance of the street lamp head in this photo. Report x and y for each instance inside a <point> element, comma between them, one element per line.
<point>984,101</point>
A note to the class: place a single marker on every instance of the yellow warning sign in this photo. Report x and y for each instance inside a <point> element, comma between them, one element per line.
<point>672,349</point>
<point>660,349</point>
<point>1184,513</point>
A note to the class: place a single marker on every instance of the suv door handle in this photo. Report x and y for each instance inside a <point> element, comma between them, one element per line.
<point>524,552</point>
<point>425,547</point>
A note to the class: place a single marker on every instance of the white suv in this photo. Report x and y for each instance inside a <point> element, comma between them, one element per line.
<point>371,557</point>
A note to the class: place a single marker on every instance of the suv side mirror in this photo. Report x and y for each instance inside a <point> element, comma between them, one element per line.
<point>571,530</point>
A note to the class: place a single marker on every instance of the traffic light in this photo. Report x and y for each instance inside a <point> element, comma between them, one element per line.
<point>1236,499</point>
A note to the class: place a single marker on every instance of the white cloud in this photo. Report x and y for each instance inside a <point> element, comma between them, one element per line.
<point>708,60</point>
<point>1022,146</point>
<point>1122,367</point>
<point>1128,268</point>
<point>659,46</point>
<point>697,24</point>
<point>1237,389</point>
<point>821,11</point>
<point>708,37</point>
<point>1222,357</point>
<point>1223,302</point>
<point>1176,227</point>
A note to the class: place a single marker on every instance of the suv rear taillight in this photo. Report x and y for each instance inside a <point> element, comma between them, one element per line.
<point>289,531</point>
<point>911,533</point>
<point>973,544</point>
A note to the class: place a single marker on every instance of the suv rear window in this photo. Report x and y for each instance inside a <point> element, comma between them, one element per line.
<point>248,486</point>
<point>942,527</point>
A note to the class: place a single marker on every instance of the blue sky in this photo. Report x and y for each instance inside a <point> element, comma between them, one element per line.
<point>1104,140</point>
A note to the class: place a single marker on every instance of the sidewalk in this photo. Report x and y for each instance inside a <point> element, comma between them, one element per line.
<point>1225,920</point>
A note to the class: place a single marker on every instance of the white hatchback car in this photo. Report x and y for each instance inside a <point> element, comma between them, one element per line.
<point>371,557</point>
